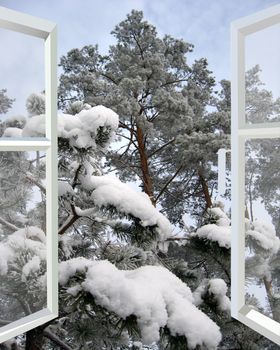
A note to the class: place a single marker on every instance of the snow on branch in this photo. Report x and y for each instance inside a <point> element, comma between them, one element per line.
<point>216,288</point>
<point>213,232</point>
<point>155,296</point>
<point>109,190</point>
<point>29,238</point>
<point>88,128</point>
<point>220,232</point>
<point>264,235</point>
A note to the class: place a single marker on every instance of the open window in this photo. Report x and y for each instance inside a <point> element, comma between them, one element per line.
<point>255,172</point>
<point>28,177</point>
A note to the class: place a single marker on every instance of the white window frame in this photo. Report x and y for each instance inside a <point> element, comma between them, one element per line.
<point>45,30</point>
<point>240,131</point>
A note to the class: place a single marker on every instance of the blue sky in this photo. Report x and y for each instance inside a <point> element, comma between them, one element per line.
<point>204,23</point>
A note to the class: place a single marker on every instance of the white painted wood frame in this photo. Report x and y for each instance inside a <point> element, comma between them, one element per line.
<point>33,26</point>
<point>240,132</point>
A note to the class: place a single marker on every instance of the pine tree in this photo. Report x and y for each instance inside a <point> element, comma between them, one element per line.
<point>169,139</point>
<point>5,101</point>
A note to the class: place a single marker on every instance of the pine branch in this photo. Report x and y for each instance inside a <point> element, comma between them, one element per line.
<point>131,141</point>
<point>160,148</point>
<point>4,322</point>
<point>185,79</point>
<point>108,77</point>
<point>54,338</point>
<point>168,183</point>
<point>36,182</point>
<point>72,218</point>
<point>9,225</point>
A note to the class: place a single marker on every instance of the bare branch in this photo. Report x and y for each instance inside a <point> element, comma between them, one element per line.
<point>9,225</point>
<point>36,182</point>
<point>4,322</point>
<point>54,338</point>
<point>161,147</point>
<point>168,183</point>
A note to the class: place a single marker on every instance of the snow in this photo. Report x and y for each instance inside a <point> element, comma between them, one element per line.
<point>155,296</point>
<point>12,132</point>
<point>97,117</point>
<point>213,232</point>
<point>30,238</point>
<point>6,254</point>
<point>29,232</point>
<point>258,266</point>
<point>74,165</point>
<point>69,242</point>
<point>137,345</point>
<point>64,189</point>
<point>69,268</point>
<point>81,129</point>
<point>220,232</point>
<point>31,266</point>
<point>218,288</point>
<point>198,293</point>
<point>109,190</point>
<point>265,235</point>
<point>85,212</point>
<point>75,290</point>
<point>15,118</point>
<point>34,127</point>
<point>220,215</point>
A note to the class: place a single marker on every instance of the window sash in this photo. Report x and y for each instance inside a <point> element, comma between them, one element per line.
<point>45,30</point>
<point>240,132</point>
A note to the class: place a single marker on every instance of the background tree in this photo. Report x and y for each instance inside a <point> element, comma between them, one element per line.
<point>5,104</point>
<point>5,101</point>
<point>262,167</point>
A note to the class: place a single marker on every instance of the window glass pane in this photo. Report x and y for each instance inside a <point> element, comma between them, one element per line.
<point>262,57</point>
<point>23,288</point>
<point>22,85</point>
<point>262,225</point>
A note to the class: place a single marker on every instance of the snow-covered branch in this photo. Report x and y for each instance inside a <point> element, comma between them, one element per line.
<point>154,295</point>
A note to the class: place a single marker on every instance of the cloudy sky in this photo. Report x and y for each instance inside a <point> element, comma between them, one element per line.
<point>204,23</point>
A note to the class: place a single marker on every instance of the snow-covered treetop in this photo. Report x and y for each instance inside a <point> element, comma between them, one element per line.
<point>155,296</point>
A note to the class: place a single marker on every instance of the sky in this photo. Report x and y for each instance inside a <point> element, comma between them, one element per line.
<point>206,24</point>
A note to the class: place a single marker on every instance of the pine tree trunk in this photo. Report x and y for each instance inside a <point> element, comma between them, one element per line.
<point>34,339</point>
<point>205,189</point>
<point>147,180</point>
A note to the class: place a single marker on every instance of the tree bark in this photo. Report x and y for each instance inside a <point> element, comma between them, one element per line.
<point>272,302</point>
<point>205,189</point>
<point>147,180</point>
